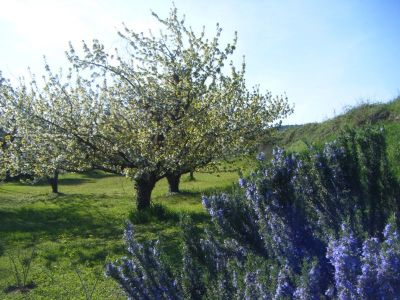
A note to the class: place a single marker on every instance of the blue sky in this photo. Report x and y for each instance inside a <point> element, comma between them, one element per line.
<point>325,55</point>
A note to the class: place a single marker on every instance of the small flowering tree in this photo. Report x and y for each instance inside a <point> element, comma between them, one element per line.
<point>273,238</point>
<point>27,148</point>
<point>5,129</point>
<point>173,102</point>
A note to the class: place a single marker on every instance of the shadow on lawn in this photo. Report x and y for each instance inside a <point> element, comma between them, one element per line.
<point>80,217</point>
<point>160,213</point>
<point>87,177</point>
<point>166,228</point>
<point>73,216</point>
<point>209,191</point>
<point>96,174</point>
<point>61,181</point>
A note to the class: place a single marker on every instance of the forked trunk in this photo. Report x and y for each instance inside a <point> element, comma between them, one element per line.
<point>144,186</point>
<point>173,182</point>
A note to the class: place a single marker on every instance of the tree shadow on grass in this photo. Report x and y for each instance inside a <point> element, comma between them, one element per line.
<point>74,181</point>
<point>97,174</point>
<point>162,223</point>
<point>81,227</point>
<point>72,216</point>
<point>61,182</point>
<point>192,197</point>
<point>206,191</point>
<point>81,178</point>
<point>157,213</point>
<point>84,222</point>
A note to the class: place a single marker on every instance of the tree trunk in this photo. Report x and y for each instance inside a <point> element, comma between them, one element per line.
<point>8,177</point>
<point>54,182</point>
<point>144,186</point>
<point>173,182</point>
<point>191,176</point>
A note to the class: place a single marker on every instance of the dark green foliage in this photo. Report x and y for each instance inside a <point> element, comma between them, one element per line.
<point>298,227</point>
<point>154,213</point>
<point>193,285</point>
<point>299,137</point>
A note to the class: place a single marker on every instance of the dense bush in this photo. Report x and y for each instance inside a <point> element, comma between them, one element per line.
<point>320,224</point>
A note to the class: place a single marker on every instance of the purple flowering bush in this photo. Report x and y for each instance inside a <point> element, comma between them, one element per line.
<point>142,275</point>
<point>368,269</point>
<point>317,225</point>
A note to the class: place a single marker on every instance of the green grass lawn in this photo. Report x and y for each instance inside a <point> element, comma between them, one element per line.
<point>80,230</point>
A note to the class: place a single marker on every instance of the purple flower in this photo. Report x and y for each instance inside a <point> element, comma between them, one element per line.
<point>344,256</point>
<point>252,193</point>
<point>242,182</point>
<point>205,202</point>
<point>261,156</point>
<point>284,288</point>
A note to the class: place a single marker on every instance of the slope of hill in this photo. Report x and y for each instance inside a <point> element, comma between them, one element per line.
<point>386,115</point>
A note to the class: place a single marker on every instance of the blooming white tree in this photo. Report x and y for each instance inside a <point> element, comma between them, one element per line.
<point>159,107</point>
<point>26,146</point>
<point>7,129</point>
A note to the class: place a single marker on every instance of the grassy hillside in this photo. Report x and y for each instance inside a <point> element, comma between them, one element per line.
<point>387,115</point>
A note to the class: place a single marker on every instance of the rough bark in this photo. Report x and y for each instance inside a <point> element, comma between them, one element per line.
<point>191,176</point>
<point>173,182</point>
<point>144,186</point>
<point>54,182</point>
